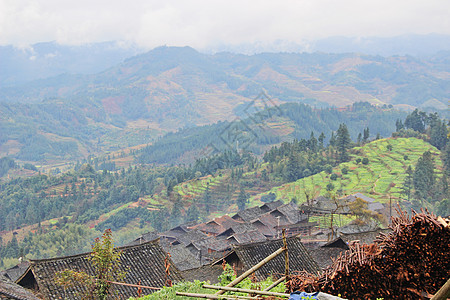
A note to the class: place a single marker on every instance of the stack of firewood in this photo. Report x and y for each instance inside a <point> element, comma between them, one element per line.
<point>411,262</point>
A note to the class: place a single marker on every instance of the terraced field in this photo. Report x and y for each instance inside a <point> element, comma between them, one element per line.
<point>381,178</point>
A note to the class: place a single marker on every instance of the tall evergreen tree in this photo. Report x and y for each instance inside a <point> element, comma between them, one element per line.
<point>343,143</point>
<point>293,169</point>
<point>312,143</point>
<point>242,199</point>
<point>407,186</point>
<point>207,200</point>
<point>366,135</point>
<point>321,139</point>
<point>332,141</point>
<point>438,134</point>
<point>399,125</point>
<point>192,214</point>
<point>445,155</point>
<point>424,177</point>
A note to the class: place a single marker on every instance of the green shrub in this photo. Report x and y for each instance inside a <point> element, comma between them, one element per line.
<point>330,187</point>
<point>226,277</point>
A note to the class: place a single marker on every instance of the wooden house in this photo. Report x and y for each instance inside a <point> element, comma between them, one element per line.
<point>142,263</point>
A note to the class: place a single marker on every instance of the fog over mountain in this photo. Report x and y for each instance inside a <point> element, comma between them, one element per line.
<point>48,59</point>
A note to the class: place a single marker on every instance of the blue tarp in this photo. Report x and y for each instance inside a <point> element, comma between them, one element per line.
<point>313,296</point>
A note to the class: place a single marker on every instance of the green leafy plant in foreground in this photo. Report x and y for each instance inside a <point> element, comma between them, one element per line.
<point>226,277</point>
<point>106,264</point>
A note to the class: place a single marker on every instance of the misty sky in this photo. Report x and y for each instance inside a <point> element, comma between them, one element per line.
<point>203,24</point>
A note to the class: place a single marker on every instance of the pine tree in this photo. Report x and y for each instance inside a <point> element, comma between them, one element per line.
<point>321,139</point>
<point>438,134</point>
<point>332,141</point>
<point>293,170</point>
<point>399,125</point>
<point>192,214</point>
<point>445,155</point>
<point>407,184</point>
<point>312,143</point>
<point>423,176</point>
<point>359,139</point>
<point>242,199</point>
<point>343,143</point>
<point>207,200</point>
<point>366,135</point>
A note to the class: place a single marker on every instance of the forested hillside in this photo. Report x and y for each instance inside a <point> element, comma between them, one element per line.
<point>47,215</point>
<point>271,127</point>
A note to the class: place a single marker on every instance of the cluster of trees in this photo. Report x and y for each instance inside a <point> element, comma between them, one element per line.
<point>6,164</point>
<point>427,126</point>
<point>425,184</point>
<point>303,158</point>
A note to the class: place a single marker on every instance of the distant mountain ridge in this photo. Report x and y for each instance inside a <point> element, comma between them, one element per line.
<point>170,88</point>
<point>43,60</point>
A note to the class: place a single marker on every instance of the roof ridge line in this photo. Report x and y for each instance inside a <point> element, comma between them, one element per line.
<point>35,261</point>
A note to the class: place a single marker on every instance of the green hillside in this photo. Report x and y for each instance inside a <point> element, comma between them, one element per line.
<point>380,179</point>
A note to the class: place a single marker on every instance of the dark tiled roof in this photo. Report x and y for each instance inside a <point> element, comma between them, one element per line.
<point>17,271</point>
<point>268,219</point>
<point>249,214</point>
<point>271,205</point>
<point>181,256</point>
<point>292,213</point>
<point>267,230</point>
<point>322,255</point>
<point>143,263</point>
<point>146,237</point>
<point>364,237</point>
<point>236,229</point>
<point>299,258</point>
<point>191,236</point>
<point>353,197</point>
<point>205,273</point>
<point>336,243</point>
<point>371,203</point>
<point>217,225</point>
<point>212,243</point>
<point>325,205</point>
<point>174,232</point>
<point>10,290</point>
<point>252,236</point>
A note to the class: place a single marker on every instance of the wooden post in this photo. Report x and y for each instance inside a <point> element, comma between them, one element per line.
<point>443,293</point>
<point>248,291</point>
<point>286,256</point>
<point>275,283</point>
<point>253,269</point>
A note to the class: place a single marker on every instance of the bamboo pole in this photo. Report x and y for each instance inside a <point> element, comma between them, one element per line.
<point>286,256</point>
<point>213,296</point>
<point>275,283</point>
<point>248,291</point>
<point>443,293</point>
<point>134,285</point>
<point>253,269</point>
